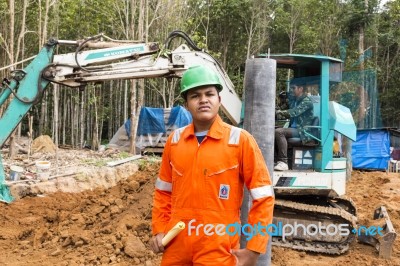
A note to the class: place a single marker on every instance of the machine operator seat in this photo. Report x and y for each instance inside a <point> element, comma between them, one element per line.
<point>313,130</point>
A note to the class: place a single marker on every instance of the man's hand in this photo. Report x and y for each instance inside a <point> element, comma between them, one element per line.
<point>245,257</point>
<point>279,115</point>
<point>155,243</point>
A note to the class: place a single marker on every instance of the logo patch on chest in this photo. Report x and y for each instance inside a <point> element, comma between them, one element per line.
<point>224,191</point>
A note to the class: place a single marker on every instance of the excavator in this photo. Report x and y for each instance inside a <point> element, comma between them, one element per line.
<point>311,210</point>
<point>310,193</point>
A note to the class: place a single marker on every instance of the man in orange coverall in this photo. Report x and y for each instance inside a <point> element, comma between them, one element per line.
<point>203,170</point>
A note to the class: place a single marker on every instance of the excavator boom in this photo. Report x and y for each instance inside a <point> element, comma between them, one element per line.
<point>107,60</point>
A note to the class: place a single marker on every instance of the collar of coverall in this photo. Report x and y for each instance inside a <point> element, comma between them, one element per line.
<point>215,132</point>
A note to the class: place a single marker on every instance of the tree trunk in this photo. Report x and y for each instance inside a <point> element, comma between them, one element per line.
<point>72,121</point>
<point>20,43</point>
<point>21,38</point>
<point>55,120</point>
<point>125,101</point>
<point>45,23</point>
<point>64,118</point>
<point>75,126</point>
<point>132,146</point>
<point>95,134</point>
<point>40,34</point>
<point>118,101</point>
<point>142,30</point>
<point>13,148</point>
<point>82,119</point>
<point>361,110</point>
<point>111,112</point>
<point>101,114</point>
<point>89,120</point>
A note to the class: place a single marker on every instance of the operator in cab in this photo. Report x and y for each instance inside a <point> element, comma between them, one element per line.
<point>301,114</point>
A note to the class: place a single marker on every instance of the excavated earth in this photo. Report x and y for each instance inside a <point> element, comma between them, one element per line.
<point>91,214</point>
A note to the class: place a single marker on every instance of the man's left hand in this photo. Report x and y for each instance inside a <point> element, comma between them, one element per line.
<point>279,115</point>
<point>245,257</point>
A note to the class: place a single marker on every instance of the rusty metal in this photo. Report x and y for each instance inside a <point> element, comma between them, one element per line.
<point>384,238</point>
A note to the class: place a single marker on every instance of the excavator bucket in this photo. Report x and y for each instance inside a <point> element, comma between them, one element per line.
<point>384,239</point>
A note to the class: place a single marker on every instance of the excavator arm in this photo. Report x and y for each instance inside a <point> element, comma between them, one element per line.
<point>100,58</point>
<point>121,60</point>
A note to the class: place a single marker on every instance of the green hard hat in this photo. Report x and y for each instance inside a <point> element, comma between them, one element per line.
<point>197,76</point>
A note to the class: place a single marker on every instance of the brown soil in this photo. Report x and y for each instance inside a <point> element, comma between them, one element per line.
<point>98,227</point>
<point>112,225</point>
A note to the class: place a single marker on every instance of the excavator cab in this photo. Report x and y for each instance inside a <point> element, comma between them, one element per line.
<point>318,74</point>
<point>311,193</point>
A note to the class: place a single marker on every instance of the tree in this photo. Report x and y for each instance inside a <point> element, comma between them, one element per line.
<point>290,15</point>
<point>257,26</point>
<point>388,62</point>
<point>229,30</point>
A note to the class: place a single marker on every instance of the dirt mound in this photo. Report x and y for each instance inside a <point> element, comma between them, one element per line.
<point>98,227</point>
<point>43,144</point>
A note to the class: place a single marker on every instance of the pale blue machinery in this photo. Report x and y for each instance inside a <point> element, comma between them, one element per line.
<point>333,116</point>
<point>322,71</point>
<point>28,85</point>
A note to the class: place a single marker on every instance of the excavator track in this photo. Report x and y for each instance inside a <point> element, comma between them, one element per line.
<point>326,239</point>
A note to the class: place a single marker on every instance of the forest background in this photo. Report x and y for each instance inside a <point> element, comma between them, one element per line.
<point>365,34</point>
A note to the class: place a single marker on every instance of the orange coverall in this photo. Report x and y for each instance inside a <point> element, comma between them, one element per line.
<point>205,182</point>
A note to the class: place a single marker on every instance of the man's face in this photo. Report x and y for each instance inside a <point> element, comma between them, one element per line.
<point>297,91</point>
<point>203,103</point>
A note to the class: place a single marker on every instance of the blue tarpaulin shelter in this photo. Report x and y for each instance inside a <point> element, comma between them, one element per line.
<point>371,150</point>
<point>151,120</point>
<point>179,117</point>
<point>154,127</point>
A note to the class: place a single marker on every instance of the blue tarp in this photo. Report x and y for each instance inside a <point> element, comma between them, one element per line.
<point>151,120</point>
<point>371,150</point>
<point>179,117</point>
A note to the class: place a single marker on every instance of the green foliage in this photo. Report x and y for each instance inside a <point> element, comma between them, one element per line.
<point>229,30</point>
<point>147,162</point>
<point>360,14</point>
<point>124,155</point>
<point>86,18</point>
<point>389,64</point>
<point>94,162</point>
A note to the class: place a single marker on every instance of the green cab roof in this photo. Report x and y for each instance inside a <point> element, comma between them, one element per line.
<point>304,65</point>
<point>297,60</point>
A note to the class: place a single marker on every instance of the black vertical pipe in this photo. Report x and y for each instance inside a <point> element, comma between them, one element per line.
<point>259,120</point>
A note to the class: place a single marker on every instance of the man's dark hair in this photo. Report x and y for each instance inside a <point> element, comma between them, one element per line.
<point>184,95</point>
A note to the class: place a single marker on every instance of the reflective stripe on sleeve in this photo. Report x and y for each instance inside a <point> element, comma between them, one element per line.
<point>162,185</point>
<point>177,134</point>
<point>262,192</point>
<point>234,136</point>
